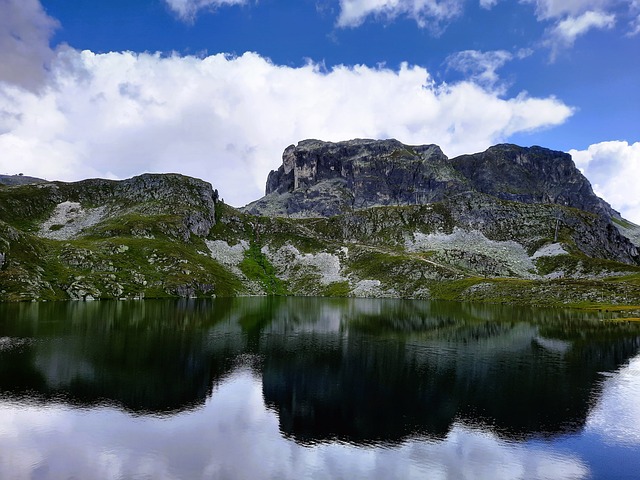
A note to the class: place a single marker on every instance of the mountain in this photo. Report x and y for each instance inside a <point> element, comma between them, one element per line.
<point>357,218</point>
<point>322,178</point>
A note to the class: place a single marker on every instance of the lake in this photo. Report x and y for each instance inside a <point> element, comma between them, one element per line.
<point>293,388</point>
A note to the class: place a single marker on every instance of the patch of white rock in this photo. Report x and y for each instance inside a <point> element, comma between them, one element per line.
<point>288,260</point>
<point>69,219</point>
<point>509,253</point>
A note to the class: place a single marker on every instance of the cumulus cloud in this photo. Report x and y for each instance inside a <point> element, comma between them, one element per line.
<point>188,9</point>
<point>425,12</point>
<point>25,30</point>
<point>479,66</point>
<point>228,119</point>
<point>614,169</point>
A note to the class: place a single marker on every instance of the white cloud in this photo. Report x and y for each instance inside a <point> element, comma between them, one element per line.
<point>573,18</point>
<point>425,12</point>
<point>563,33</point>
<point>614,169</point>
<point>188,9</point>
<point>546,9</point>
<point>228,119</point>
<point>567,30</point>
<point>635,13</point>
<point>488,4</point>
<point>479,66</point>
<point>25,29</point>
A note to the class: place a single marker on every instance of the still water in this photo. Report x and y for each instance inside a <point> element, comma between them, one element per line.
<point>293,388</point>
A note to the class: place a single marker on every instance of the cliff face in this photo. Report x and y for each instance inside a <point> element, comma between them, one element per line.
<point>530,175</point>
<point>323,179</point>
<point>383,172</point>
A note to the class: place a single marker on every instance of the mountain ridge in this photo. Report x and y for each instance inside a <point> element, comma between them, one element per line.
<point>365,225</point>
<point>327,178</point>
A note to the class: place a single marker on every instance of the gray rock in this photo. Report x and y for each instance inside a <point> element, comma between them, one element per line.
<point>190,200</point>
<point>323,179</point>
<point>530,175</point>
<point>19,180</point>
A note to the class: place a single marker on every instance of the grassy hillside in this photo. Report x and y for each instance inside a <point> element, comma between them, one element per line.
<point>161,236</point>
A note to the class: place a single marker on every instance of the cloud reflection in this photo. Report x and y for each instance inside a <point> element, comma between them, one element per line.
<point>616,415</point>
<point>234,435</point>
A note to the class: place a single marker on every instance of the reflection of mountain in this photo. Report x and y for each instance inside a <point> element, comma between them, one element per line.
<point>358,390</point>
<point>359,370</point>
<point>414,367</point>
<point>149,357</point>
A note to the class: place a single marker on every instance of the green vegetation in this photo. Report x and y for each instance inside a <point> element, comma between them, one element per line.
<point>145,246</point>
<point>255,266</point>
<point>453,289</point>
<point>337,289</point>
<point>25,206</point>
<point>624,223</point>
<point>573,265</point>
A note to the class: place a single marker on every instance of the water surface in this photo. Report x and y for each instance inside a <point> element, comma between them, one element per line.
<point>277,388</point>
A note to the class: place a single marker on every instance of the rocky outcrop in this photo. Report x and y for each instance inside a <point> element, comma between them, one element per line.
<point>58,239</point>
<point>530,175</point>
<point>186,204</point>
<point>19,180</point>
<point>323,178</point>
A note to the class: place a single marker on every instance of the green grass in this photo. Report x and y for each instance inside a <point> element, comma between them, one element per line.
<point>138,224</point>
<point>571,264</point>
<point>633,279</point>
<point>257,267</point>
<point>337,289</point>
<point>624,223</point>
<point>26,206</point>
<point>452,289</point>
<point>98,261</point>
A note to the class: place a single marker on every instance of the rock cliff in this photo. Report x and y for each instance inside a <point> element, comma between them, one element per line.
<point>323,178</point>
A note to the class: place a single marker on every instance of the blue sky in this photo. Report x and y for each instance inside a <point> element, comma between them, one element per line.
<point>218,88</point>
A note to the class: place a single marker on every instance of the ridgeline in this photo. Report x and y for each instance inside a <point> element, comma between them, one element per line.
<point>366,218</point>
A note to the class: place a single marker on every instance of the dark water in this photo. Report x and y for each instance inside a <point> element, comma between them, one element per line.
<point>315,388</point>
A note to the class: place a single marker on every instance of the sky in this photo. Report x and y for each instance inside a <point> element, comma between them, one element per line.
<point>217,89</point>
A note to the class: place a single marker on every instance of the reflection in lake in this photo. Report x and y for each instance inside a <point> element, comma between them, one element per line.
<point>315,388</point>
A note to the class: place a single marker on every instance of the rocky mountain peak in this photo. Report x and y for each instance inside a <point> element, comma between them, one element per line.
<point>319,178</point>
<point>530,175</point>
<point>313,161</point>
